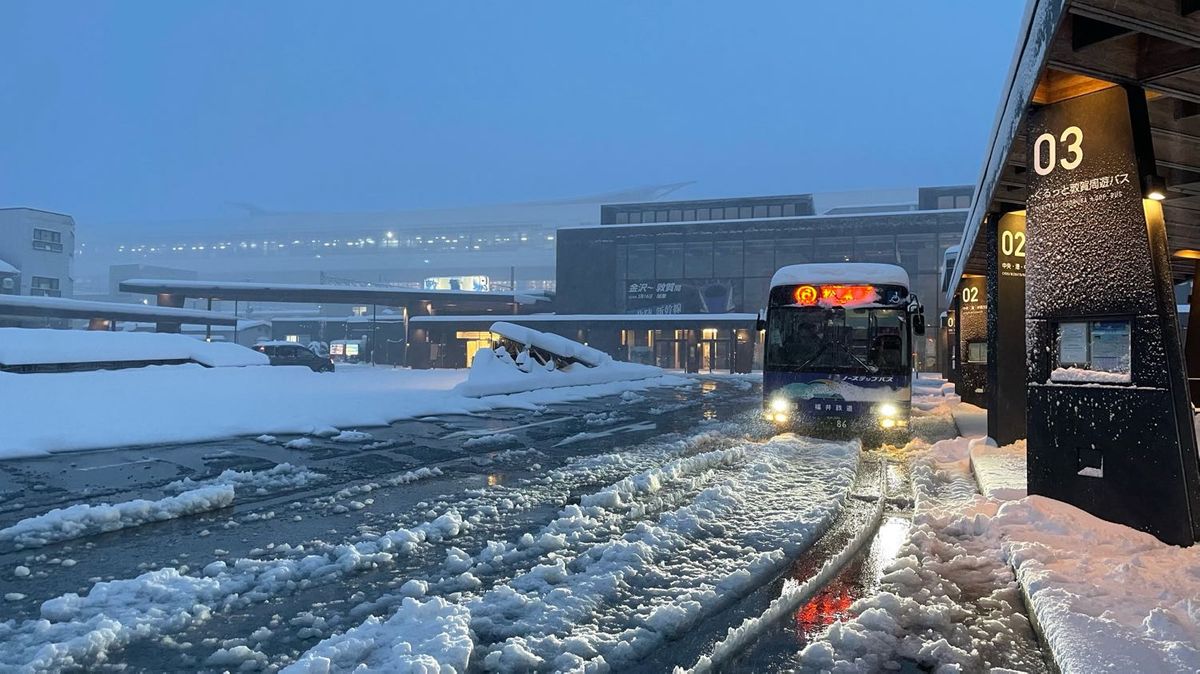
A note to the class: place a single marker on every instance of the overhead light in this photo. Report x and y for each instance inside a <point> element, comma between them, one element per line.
<point>1154,187</point>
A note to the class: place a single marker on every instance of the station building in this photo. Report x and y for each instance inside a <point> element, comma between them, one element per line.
<point>679,284</point>
<point>1086,218</point>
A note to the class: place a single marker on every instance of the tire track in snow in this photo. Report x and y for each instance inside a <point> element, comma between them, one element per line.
<point>77,631</point>
<point>614,602</point>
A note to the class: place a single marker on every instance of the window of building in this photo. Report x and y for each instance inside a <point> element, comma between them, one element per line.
<point>661,216</point>
<point>676,215</point>
<point>789,210</point>
<point>875,249</point>
<point>47,239</point>
<point>698,259</point>
<point>641,261</point>
<point>689,214</point>
<point>728,258</point>
<point>760,211</point>
<point>962,201</point>
<point>623,218</point>
<point>743,212</point>
<point>833,249</point>
<point>760,257</point>
<point>668,260</point>
<point>776,211</point>
<point>790,251</point>
<point>702,214</point>
<point>755,293</point>
<point>44,286</point>
<point>945,202</point>
<point>635,218</point>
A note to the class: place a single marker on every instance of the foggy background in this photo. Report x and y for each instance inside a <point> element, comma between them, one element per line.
<point>139,111</point>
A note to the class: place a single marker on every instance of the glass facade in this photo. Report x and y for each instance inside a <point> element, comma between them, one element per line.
<point>705,267</point>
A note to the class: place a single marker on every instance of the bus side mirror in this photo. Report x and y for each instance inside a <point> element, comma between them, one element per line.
<point>918,323</point>
<point>760,323</point>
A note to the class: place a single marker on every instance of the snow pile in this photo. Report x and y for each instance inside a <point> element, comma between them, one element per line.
<point>1107,597</point>
<point>555,344</point>
<point>949,598</point>
<point>432,637</point>
<point>1076,375</point>
<point>493,441</point>
<point>79,520</point>
<point>281,476</point>
<point>496,373</point>
<point>24,346</point>
<point>999,471</point>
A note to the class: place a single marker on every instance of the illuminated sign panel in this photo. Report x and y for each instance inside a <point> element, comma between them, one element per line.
<point>478,283</point>
<point>834,295</point>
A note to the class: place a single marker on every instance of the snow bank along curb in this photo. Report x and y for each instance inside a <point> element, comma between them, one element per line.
<point>1101,596</point>
<point>794,594</point>
<point>79,520</point>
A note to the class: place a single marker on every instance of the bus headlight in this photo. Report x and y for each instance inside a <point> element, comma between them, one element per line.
<point>780,405</point>
<point>887,410</point>
<point>887,423</point>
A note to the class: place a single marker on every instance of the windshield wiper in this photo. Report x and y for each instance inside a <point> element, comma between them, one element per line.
<point>870,368</point>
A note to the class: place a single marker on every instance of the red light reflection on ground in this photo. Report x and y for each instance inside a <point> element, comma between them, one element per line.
<point>831,603</point>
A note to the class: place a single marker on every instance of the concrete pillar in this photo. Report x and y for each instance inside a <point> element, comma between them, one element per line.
<point>1006,369</point>
<point>971,325</point>
<point>1109,416</point>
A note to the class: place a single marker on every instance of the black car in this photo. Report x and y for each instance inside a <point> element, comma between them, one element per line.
<point>288,353</point>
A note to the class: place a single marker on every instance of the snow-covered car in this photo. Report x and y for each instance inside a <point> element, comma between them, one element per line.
<point>290,353</point>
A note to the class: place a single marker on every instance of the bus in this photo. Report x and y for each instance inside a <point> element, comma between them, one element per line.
<point>837,358</point>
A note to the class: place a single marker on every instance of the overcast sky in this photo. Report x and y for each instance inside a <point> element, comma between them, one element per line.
<point>164,110</point>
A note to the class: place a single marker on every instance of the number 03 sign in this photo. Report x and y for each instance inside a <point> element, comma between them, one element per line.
<point>1045,151</point>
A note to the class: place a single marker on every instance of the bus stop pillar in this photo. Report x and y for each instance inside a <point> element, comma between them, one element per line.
<point>971,322</point>
<point>1006,368</point>
<point>1110,420</point>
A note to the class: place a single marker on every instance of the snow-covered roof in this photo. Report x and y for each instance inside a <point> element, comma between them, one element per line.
<point>599,318</point>
<point>25,346</point>
<point>6,268</point>
<point>841,272</point>
<point>65,307</point>
<point>315,292</point>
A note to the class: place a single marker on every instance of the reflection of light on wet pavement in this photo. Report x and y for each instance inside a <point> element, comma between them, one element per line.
<point>494,479</point>
<point>887,542</point>
<point>708,386</point>
<point>860,578</point>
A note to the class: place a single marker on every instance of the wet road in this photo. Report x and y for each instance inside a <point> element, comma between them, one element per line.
<point>518,468</point>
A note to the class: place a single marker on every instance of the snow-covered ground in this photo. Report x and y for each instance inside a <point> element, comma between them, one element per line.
<point>639,546</point>
<point>185,403</point>
<point>981,554</point>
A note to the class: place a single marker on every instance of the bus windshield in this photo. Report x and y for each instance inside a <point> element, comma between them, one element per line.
<point>815,339</point>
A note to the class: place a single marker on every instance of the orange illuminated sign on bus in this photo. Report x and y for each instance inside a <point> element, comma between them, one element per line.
<point>834,295</point>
